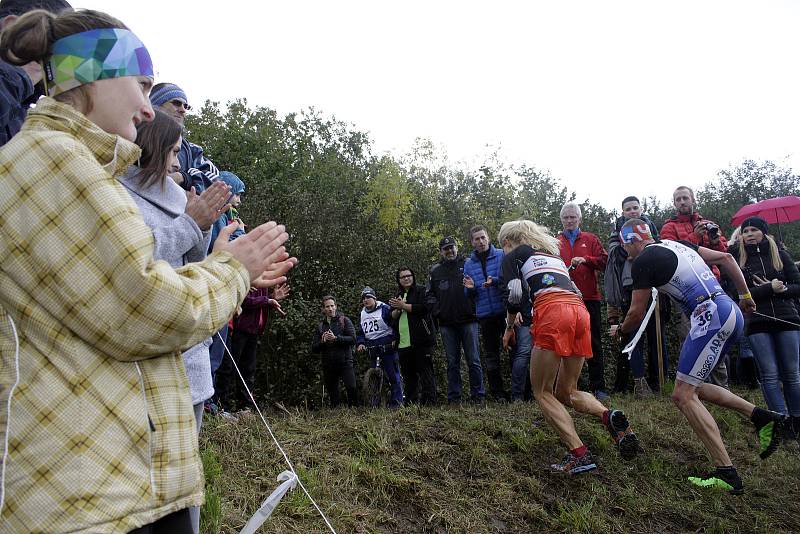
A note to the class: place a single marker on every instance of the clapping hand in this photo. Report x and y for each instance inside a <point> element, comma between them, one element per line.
<point>468,282</point>
<point>207,207</point>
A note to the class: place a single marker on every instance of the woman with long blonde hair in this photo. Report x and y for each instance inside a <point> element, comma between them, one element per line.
<point>772,331</point>
<point>561,341</point>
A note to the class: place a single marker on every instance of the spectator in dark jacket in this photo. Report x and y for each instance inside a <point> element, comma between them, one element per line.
<point>517,336</point>
<point>774,282</point>
<point>618,291</point>
<point>20,86</point>
<point>482,279</point>
<point>334,338</point>
<point>455,312</point>
<point>416,338</point>
<point>196,169</point>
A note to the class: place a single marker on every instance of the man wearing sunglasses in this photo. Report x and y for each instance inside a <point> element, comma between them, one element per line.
<point>196,170</point>
<point>454,309</point>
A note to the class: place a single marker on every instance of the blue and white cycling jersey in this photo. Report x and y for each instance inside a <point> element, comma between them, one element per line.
<point>716,322</point>
<point>675,269</point>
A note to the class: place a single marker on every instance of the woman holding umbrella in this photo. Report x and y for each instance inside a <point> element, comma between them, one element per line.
<point>772,330</point>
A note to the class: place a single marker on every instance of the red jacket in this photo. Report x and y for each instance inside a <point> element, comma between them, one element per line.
<point>585,275</point>
<point>681,228</point>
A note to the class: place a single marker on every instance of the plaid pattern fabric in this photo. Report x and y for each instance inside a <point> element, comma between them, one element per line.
<point>101,433</point>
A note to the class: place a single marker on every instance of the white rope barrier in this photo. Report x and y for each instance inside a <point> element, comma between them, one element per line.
<point>288,478</point>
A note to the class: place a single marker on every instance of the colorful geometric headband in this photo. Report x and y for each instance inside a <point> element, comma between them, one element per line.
<point>638,232</point>
<point>94,55</point>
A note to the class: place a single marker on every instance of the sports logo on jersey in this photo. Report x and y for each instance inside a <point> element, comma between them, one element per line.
<point>548,280</point>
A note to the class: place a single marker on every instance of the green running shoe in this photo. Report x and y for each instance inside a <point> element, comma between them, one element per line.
<point>769,437</point>
<point>727,479</point>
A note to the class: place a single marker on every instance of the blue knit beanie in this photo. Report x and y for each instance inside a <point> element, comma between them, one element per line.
<point>165,93</point>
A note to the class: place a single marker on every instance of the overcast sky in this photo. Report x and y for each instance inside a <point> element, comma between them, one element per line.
<point>613,98</point>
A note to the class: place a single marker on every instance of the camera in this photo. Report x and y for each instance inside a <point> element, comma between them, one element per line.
<point>712,229</point>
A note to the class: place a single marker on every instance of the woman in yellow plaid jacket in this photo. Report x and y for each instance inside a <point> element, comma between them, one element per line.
<point>97,432</point>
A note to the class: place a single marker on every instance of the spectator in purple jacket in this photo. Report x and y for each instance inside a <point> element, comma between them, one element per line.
<point>20,87</point>
<point>248,327</point>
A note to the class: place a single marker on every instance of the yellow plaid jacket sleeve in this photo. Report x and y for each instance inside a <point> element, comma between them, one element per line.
<point>74,238</point>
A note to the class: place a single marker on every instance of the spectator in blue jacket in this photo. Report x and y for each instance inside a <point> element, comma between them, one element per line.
<point>231,214</point>
<point>217,350</point>
<point>20,87</point>
<point>196,170</point>
<point>376,333</point>
<point>482,272</point>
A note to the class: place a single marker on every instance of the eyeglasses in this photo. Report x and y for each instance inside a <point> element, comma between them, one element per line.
<point>406,276</point>
<point>448,247</point>
<point>181,104</point>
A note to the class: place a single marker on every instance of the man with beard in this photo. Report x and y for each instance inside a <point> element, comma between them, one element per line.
<point>689,225</point>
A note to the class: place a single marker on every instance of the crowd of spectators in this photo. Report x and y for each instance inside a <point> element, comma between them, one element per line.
<point>466,300</point>
<point>134,295</point>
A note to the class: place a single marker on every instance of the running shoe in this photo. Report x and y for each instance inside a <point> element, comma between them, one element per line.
<point>727,479</point>
<point>573,465</point>
<point>769,436</point>
<point>624,438</point>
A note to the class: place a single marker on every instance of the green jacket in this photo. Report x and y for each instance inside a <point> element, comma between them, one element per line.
<point>95,407</point>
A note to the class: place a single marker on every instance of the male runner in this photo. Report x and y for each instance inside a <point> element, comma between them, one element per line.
<point>681,270</point>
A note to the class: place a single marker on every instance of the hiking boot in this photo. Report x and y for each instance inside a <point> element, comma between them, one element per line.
<point>641,389</point>
<point>770,433</point>
<point>727,479</point>
<point>624,438</point>
<point>573,465</point>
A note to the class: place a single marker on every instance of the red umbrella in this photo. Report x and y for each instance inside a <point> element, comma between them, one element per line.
<point>773,210</point>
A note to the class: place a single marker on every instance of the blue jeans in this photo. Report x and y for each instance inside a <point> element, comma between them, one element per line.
<point>390,363</point>
<point>520,363</point>
<point>776,356</point>
<point>454,338</point>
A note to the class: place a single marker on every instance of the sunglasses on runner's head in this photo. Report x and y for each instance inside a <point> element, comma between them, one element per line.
<point>180,103</point>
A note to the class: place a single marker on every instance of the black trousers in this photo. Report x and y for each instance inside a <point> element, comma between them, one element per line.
<point>228,388</point>
<point>416,366</point>
<point>492,330</point>
<point>174,523</point>
<point>595,364</point>
<point>334,370</point>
